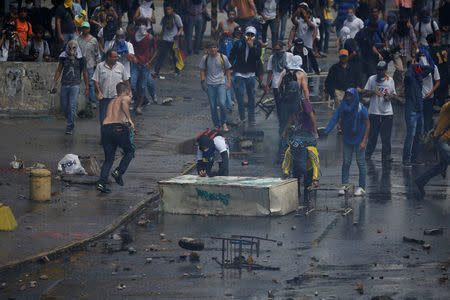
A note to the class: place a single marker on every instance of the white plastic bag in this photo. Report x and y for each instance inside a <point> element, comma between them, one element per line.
<point>70,164</point>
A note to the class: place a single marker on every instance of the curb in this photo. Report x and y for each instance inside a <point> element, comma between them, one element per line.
<point>47,255</point>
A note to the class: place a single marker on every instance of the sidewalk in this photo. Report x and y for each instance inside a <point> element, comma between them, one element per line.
<point>78,213</point>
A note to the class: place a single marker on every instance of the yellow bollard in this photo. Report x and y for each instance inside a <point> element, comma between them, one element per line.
<point>40,185</point>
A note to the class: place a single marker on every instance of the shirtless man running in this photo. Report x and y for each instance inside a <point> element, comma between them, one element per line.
<point>116,131</point>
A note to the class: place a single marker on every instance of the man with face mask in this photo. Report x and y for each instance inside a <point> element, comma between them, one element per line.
<point>381,90</point>
<point>71,65</point>
<point>309,62</point>
<point>100,15</point>
<point>353,119</point>
<point>65,22</point>
<point>353,23</point>
<point>403,43</point>
<point>107,34</point>
<point>211,143</point>
<point>413,111</point>
<point>426,26</point>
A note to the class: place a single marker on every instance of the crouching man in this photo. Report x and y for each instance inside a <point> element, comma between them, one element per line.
<point>117,130</point>
<point>211,143</point>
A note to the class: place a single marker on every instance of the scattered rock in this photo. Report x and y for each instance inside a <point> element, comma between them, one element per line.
<point>381,277</point>
<point>194,256</point>
<point>414,249</point>
<point>250,260</point>
<point>121,286</point>
<point>316,293</point>
<point>378,230</point>
<point>199,267</point>
<point>293,227</point>
<point>23,287</point>
<point>43,277</point>
<point>406,256</point>
<point>167,101</point>
<point>360,288</point>
<point>426,246</point>
<point>411,240</point>
<point>126,236</point>
<point>443,279</point>
<point>228,294</point>
<point>433,231</point>
<point>45,258</point>
<point>270,293</point>
<point>2,285</point>
<point>148,260</point>
<point>314,258</point>
<point>279,243</point>
<point>33,284</point>
<point>162,235</point>
<point>116,237</point>
<point>186,274</point>
<point>275,281</point>
<point>299,253</point>
<point>191,244</point>
<point>131,250</point>
<point>142,222</point>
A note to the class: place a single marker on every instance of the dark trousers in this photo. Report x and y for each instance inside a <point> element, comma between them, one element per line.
<point>103,108</point>
<point>273,29</point>
<point>428,114</point>
<point>441,167</point>
<point>165,48</point>
<point>114,135</point>
<point>299,171</point>
<point>380,125</point>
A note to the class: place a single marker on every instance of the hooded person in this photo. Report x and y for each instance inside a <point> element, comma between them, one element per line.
<point>344,35</point>
<point>71,65</point>
<point>353,117</point>
<point>107,34</point>
<point>210,145</point>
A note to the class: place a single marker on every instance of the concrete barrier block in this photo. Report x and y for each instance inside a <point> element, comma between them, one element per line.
<point>239,196</point>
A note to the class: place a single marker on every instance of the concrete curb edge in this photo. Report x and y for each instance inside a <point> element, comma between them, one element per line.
<point>75,244</point>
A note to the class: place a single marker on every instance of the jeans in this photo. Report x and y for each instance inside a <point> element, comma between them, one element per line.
<point>229,95</point>
<point>165,48</point>
<point>242,85</point>
<point>216,95</point>
<point>380,125</point>
<point>414,127</point>
<point>428,113</point>
<point>325,29</point>
<point>114,135</point>
<point>283,22</point>
<point>103,108</point>
<point>441,167</point>
<point>347,161</point>
<point>138,80</point>
<point>197,23</point>
<point>273,30</point>
<point>68,102</point>
<point>92,97</point>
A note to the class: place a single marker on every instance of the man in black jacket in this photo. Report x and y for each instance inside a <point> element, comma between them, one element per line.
<point>245,58</point>
<point>341,76</point>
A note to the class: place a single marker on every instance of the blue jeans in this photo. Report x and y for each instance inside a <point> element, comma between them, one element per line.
<point>325,28</point>
<point>229,96</point>
<point>283,22</point>
<point>103,108</point>
<point>414,127</point>
<point>347,161</point>
<point>242,85</point>
<point>92,98</point>
<point>114,135</point>
<point>441,167</point>
<point>273,30</point>
<point>138,80</point>
<point>216,95</point>
<point>197,23</point>
<point>68,102</point>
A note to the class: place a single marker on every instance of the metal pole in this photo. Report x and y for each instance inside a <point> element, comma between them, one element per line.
<point>213,18</point>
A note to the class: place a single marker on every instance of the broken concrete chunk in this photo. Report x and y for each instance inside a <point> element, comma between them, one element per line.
<point>411,240</point>
<point>131,250</point>
<point>148,260</point>
<point>33,284</point>
<point>191,244</point>
<point>426,246</point>
<point>121,286</point>
<point>433,231</point>
<point>43,277</point>
<point>293,227</point>
<point>167,101</point>
<point>279,243</point>
<point>360,287</point>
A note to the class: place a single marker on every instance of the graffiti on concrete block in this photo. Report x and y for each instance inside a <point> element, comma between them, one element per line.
<point>224,198</point>
<point>13,81</point>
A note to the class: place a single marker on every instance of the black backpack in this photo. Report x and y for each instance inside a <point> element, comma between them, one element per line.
<point>290,91</point>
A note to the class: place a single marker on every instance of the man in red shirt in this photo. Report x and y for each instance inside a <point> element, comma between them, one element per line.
<point>145,51</point>
<point>23,28</point>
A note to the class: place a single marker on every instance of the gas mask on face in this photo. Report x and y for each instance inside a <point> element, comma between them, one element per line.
<point>350,17</point>
<point>72,49</point>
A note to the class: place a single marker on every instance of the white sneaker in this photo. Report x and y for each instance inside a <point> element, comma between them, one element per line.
<point>342,191</point>
<point>139,111</point>
<point>359,191</point>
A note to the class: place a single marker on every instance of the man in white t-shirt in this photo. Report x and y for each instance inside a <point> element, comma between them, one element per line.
<point>425,27</point>
<point>381,89</point>
<point>211,143</point>
<point>353,23</point>
<point>276,66</point>
<point>429,86</point>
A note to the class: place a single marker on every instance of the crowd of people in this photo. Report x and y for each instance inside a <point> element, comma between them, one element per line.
<point>90,41</point>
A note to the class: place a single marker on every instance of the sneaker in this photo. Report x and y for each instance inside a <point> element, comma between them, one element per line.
<point>103,188</point>
<point>94,105</point>
<point>417,163</point>
<point>252,122</point>
<point>117,177</point>
<point>225,128</point>
<point>139,111</point>
<point>359,191</point>
<point>69,132</point>
<point>420,187</point>
<point>342,191</point>
<point>154,99</point>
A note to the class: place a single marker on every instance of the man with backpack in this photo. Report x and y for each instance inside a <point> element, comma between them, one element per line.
<point>211,143</point>
<point>426,26</point>
<point>246,60</point>
<point>213,68</point>
<point>37,49</point>
<point>23,28</point>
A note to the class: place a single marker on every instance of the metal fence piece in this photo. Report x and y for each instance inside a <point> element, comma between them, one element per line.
<point>348,191</point>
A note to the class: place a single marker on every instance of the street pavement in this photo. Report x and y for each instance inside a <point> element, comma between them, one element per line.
<point>325,253</point>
